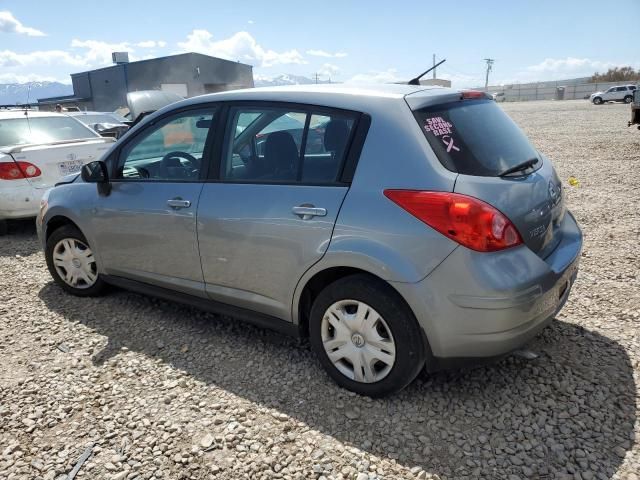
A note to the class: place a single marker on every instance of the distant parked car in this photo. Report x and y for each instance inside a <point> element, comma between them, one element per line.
<point>635,109</point>
<point>107,124</point>
<point>38,149</point>
<point>622,93</point>
<point>426,231</point>
<point>498,96</point>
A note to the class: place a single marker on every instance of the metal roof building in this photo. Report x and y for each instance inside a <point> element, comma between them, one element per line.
<point>187,74</point>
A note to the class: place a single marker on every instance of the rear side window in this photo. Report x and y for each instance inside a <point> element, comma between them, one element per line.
<point>282,145</point>
<point>474,137</point>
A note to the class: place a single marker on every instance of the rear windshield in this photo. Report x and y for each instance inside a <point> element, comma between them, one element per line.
<point>474,137</point>
<point>21,131</point>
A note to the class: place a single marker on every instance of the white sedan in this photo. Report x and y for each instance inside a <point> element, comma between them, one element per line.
<point>37,149</point>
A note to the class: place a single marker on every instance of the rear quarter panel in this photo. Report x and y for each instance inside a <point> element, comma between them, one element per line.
<point>374,234</point>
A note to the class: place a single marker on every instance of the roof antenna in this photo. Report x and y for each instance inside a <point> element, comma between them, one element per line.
<point>416,81</point>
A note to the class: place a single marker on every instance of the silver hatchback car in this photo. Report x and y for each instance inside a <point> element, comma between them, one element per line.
<point>398,227</point>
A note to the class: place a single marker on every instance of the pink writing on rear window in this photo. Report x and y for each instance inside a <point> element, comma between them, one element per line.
<point>438,126</point>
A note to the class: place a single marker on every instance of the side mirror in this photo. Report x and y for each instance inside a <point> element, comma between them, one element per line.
<point>97,172</point>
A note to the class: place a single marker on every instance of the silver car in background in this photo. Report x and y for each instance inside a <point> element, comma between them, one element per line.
<point>423,231</point>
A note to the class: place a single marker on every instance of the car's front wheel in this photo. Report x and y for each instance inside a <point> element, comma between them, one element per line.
<point>628,99</point>
<point>598,101</point>
<point>365,336</point>
<point>72,263</point>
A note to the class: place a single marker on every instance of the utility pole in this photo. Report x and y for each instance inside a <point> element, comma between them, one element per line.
<point>489,68</point>
<point>316,78</point>
<point>434,66</point>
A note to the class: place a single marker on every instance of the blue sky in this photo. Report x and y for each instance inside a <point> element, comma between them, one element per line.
<point>345,40</point>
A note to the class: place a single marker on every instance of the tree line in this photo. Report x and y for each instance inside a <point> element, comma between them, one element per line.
<point>617,74</point>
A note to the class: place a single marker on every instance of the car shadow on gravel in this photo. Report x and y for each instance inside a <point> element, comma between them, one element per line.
<point>570,411</point>
<point>20,238</point>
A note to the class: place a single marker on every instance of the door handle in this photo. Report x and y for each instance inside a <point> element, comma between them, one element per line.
<point>307,212</point>
<point>178,203</point>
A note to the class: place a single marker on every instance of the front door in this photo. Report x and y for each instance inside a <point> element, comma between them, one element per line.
<point>270,215</point>
<point>146,227</point>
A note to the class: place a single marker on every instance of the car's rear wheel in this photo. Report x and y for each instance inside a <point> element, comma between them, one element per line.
<point>72,263</point>
<point>628,99</point>
<point>365,336</point>
<point>598,101</point>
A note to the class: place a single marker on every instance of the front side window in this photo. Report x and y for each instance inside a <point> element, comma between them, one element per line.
<point>170,150</point>
<point>283,145</point>
<point>38,130</point>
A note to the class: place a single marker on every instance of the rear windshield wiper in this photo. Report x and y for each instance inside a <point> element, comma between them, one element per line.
<point>520,167</point>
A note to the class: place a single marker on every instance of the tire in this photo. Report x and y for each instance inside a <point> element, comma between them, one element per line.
<point>4,227</point>
<point>394,330</point>
<point>67,250</point>
<point>597,101</point>
<point>628,99</point>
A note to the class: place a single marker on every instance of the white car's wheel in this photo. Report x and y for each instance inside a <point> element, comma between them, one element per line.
<point>597,101</point>
<point>628,99</point>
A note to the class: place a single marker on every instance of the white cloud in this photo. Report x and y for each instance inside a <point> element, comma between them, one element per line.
<point>563,68</point>
<point>329,70</point>
<point>324,53</point>
<point>384,76</point>
<point>10,24</point>
<point>250,22</point>
<point>241,46</point>
<point>31,77</point>
<point>98,52</point>
<point>10,59</point>
<point>148,44</point>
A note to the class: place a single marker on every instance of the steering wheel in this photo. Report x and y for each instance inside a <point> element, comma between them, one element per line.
<point>165,162</point>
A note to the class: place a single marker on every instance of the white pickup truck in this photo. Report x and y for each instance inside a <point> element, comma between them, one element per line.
<point>37,149</point>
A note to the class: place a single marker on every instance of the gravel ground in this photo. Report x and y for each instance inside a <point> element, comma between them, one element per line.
<point>162,391</point>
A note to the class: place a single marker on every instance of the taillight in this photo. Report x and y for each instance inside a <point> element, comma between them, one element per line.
<point>467,220</point>
<point>469,94</point>
<point>18,170</point>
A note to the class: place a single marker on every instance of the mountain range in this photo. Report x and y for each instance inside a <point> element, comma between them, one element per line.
<point>14,93</point>
<point>19,93</point>
<point>286,79</point>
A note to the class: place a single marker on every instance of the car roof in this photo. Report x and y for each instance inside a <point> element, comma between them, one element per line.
<point>346,96</point>
<point>11,114</point>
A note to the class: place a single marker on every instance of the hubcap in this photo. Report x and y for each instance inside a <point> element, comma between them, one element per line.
<point>358,341</point>
<point>74,263</point>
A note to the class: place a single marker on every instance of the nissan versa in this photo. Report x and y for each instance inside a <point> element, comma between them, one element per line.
<point>398,227</point>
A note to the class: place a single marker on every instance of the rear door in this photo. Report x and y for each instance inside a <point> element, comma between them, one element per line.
<point>269,214</point>
<point>476,139</point>
<point>146,227</point>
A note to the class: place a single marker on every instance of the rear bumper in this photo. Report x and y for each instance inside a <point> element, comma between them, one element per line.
<point>19,201</point>
<point>478,305</point>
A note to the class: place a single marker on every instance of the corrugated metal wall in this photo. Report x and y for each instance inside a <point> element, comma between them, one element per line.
<point>547,90</point>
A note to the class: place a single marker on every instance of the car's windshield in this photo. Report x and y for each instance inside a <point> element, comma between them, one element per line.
<point>21,131</point>
<point>474,137</point>
<point>93,118</point>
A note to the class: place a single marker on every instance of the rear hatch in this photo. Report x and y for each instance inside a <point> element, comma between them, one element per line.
<point>496,163</point>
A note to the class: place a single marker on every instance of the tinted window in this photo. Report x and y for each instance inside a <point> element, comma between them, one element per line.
<point>170,150</point>
<point>621,89</point>
<point>326,147</point>
<point>21,131</point>
<point>268,145</point>
<point>474,137</point>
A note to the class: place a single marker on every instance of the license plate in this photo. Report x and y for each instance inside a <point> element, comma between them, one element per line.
<point>72,166</point>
